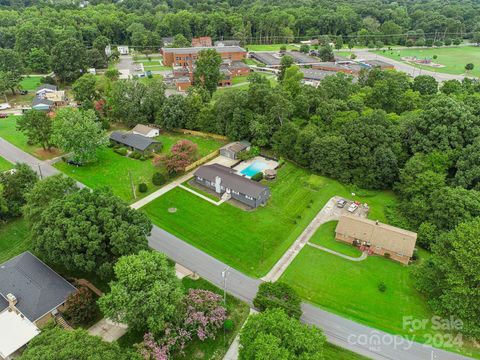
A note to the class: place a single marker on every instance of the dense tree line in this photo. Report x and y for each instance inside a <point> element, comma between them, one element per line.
<point>54,35</point>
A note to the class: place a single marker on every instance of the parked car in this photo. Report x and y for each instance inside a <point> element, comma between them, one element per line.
<point>23,92</point>
<point>341,203</point>
<point>3,116</point>
<point>352,208</point>
<point>74,163</point>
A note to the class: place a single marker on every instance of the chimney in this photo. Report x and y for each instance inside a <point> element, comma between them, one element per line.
<point>12,300</point>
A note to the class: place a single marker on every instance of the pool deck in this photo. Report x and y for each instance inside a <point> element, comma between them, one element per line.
<point>270,164</point>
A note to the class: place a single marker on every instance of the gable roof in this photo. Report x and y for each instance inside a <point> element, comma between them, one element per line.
<point>231,180</point>
<point>37,101</point>
<point>136,141</point>
<point>380,235</point>
<point>194,50</point>
<point>237,146</point>
<point>37,287</point>
<point>47,87</point>
<point>143,129</point>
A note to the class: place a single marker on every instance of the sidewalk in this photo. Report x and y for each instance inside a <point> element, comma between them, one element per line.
<point>351,258</point>
<point>232,353</point>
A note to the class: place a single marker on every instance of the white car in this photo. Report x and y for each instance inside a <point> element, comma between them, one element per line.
<point>5,106</point>
<point>352,208</point>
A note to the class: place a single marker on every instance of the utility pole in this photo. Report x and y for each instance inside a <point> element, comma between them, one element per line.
<point>40,171</point>
<point>131,183</point>
<point>224,276</point>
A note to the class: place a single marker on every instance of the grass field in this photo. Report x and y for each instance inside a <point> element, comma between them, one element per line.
<point>5,165</point>
<point>252,241</point>
<point>333,352</point>
<point>31,83</point>
<point>271,47</point>
<point>157,68</point>
<point>240,80</point>
<point>453,58</point>
<point>14,239</point>
<point>325,236</point>
<point>10,133</point>
<point>113,170</point>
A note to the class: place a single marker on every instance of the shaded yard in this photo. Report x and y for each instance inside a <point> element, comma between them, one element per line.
<point>252,241</point>
<point>206,145</point>
<point>9,132</point>
<point>14,239</point>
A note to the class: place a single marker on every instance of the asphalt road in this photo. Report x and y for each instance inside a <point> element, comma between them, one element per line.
<point>340,331</point>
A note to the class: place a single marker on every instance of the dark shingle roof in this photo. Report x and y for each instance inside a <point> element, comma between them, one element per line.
<point>138,142</point>
<point>38,288</point>
<point>38,101</point>
<point>231,180</point>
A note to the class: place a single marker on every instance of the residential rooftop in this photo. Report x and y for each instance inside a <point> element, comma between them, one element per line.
<point>135,141</point>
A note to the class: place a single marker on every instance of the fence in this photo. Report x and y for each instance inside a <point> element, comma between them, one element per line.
<point>203,134</point>
<point>202,160</point>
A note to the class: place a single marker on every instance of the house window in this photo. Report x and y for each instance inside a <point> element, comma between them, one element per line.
<point>199,178</point>
<point>235,192</point>
<point>249,197</point>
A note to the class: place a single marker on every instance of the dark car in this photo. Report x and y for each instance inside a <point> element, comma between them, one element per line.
<point>74,163</point>
<point>23,92</point>
<point>3,116</point>
<point>341,203</point>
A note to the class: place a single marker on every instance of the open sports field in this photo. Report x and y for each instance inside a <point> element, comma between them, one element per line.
<point>453,58</point>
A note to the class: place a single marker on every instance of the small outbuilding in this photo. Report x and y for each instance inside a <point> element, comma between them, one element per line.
<point>233,149</point>
<point>146,130</point>
<point>135,142</point>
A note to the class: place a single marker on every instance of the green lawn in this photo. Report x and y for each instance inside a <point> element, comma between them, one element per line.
<point>240,79</point>
<point>147,62</point>
<point>333,352</point>
<point>252,241</point>
<point>157,68</point>
<point>206,145</point>
<point>113,170</point>
<point>5,165</point>
<point>9,132</point>
<point>325,236</point>
<point>31,83</point>
<point>453,58</point>
<point>14,239</point>
<point>271,47</point>
<point>212,349</point>
<point>252,62</point>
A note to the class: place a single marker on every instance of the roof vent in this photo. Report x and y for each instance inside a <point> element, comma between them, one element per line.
<point>12,300</point>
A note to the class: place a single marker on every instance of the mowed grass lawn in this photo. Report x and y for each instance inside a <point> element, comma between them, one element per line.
<point>271,47</point>
<point>325,236</point>
<point>14,239</point>
<point>454,59</point>
<point>253,241</point>
<point>113,170</point>
<point>5,165</point>
<point>31,83</point>
<point>9,132</point>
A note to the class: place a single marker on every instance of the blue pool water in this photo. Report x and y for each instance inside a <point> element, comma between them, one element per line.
<point>254,168</point>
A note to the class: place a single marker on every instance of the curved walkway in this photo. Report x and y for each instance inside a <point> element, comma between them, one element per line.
<point>359,258</point>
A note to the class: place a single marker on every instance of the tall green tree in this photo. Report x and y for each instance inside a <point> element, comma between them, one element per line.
<point>69,60</point>
<point>207,70</point>
<point>89,231</point>
<point>425,85</point>
<point>80,133</point>
<point>274,332</point>
<point>38,127</point>
<point>85,90</point>
<point>285,63</point>
<point>146,293</point>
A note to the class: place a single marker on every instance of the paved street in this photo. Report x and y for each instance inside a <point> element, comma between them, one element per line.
<point>340,331</point>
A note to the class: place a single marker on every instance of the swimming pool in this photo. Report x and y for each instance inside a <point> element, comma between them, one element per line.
<point>254,168</point>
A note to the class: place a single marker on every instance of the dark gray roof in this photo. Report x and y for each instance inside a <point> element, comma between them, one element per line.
<point>231,180</point>
<point>47,86</point>
<point>266,58</point>
<point>38,288</point>
<point>193,50</point>
<point>38,101</point>
<point>136,141</point>
<point>377,63</point>
<point>314,74</point>
<point>302,59</point>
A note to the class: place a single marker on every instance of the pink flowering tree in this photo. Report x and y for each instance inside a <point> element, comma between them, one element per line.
<point>204,316</point>
<point>183,153</point>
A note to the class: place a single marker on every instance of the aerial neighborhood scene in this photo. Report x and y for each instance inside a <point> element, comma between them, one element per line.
<point>239,180</point>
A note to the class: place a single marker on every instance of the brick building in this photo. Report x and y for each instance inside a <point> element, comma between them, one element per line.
<point>203,41</point>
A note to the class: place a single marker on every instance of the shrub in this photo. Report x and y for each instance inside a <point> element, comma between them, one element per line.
<point>158,179</point>
<point>386,255</point>
<point>382,287</point>
<point>457,41</point>
<point>448,42</point>
<point>258,176</point>
<point>136,155</point>
<point>142,187</point>
<point>438,43</point>
<point>278,295</point>
<point>81,306</point>
<point>121,151</point>
<point>228,325</point>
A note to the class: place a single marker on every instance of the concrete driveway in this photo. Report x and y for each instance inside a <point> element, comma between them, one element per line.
<point>108,330</point>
